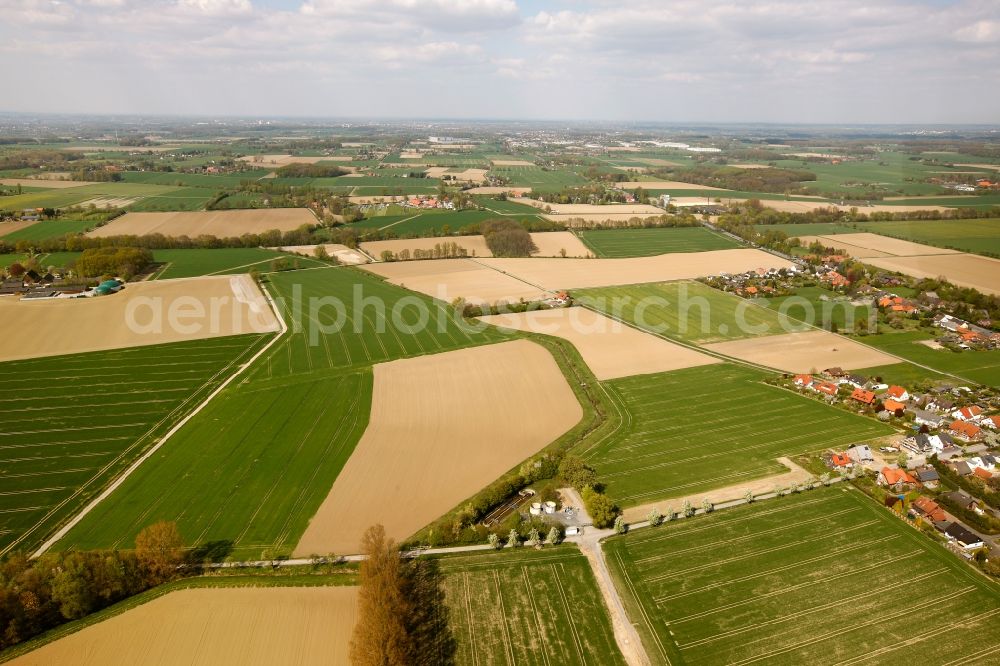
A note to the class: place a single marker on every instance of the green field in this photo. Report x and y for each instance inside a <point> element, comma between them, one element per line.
<point>538,179</point>
<point>192,263</point>
<point>71,196</point>
<point>649,242</point>
<point>527,607</point>
<point>252,468</point>
<point>78,420</point>
<point>507,207</point>
<point>369,334</point>
<point>424,222</point>
<point>889,173</point>
<point>185,198</point>
<point>819,307</point>
<point>249,471</point>
<point>825,577</point>
<point>687,311</point>
<point>808,229</point>
<point>977,366</point>
<point>692,430</point>
<point>49,229</point>
<point>967,235</point>
<point>209,181</point>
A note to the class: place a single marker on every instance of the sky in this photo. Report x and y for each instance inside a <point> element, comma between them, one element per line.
<point>781,61</point>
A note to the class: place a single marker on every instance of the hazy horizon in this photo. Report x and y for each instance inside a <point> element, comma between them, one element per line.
<point>841,62</point>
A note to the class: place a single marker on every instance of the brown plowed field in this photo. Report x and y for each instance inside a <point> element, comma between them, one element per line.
<point>218,223</point>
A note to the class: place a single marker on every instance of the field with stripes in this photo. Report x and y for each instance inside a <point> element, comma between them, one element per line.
<point>688,431</point>
<point>649,242</point>
<point>246,474</point>
<point>826,577</point>
<point>687,311</point>
<point>75,421</point>
<point>193,263</point>
<point>527,607</point>
<point>373,316</point>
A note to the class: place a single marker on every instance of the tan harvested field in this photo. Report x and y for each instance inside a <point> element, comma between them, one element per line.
<point>344,254</point>
<point>982,166</point>
<point>807,206</point>
<point>516,191</point>
<point>826,156</point>
<point>881,245</point>
<point>442,427</point>
<point>435,171</point>
<point>511,163</point>
<point>43,182</point>
<point>591,209</point>
<point>219,223</point>
<point>662,185</point>
<point>549,244</point>
<point>144,313</point>
<point>11,227</point>
<point>808,351</point>
<point>554,274</point>
<point>855,251</point>
<point>446,279</point>
<point>611,349</point>
<point>751,166</point>
<point>964,270</point>
<point>246,626</point>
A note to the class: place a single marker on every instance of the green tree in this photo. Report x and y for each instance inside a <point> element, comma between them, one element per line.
<point>160,550</point>
<point>554,536</point>
<point>576,473</point>
<point>380,635</point>
<point>599,507</point>
<point>654,517</point>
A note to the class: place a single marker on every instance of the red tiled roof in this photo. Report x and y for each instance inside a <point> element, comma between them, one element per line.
<point>897,392</point>
<point>965,428</point>
<point>840,459</point>
<point>894,476</point>
<point>982,473</point>
<point>826,387</point>
<point>892,406</point>
<point>864,396</point>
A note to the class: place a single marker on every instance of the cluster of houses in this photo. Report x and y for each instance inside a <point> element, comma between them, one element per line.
<point>930,511</point>
<point>937,411</point>
<point>982,183</point>
<point>757,282</point>
<point>427,202</point>
<point>965,334</point>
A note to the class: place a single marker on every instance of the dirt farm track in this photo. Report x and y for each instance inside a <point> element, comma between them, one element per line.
<point>441,429</point>
<point>218,223</point>
<point>75,325</point>
<point>251,626</point>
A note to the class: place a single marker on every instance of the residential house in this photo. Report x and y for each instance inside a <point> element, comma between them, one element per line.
<point>981,473</point>
<point>918,443</point>
<point>897,479</point>
<point>893,407</point>
<point>834,372</point>
<point>991,422</point>
<point>963,499</point>
<point>962,468</point>
<point>841,460</point>
<point>927,418</point>
<point>857,381</point>
<point>928,476</point>
<point>863,396</point>
<point>965,430</point>
<point>898,393</point>
<point>986,462</point>
<point>966,539</point>
<point>860,453</point>
<point>969,413</point>
<point>827,388</point>
<point>928,508</point>
<point>803,380</point>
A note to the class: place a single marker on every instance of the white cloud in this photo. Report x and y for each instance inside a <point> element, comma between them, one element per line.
<point>684,59</point>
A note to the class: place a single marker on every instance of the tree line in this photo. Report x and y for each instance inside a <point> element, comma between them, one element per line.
<point>39,594</point>
<point>402,616</point>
